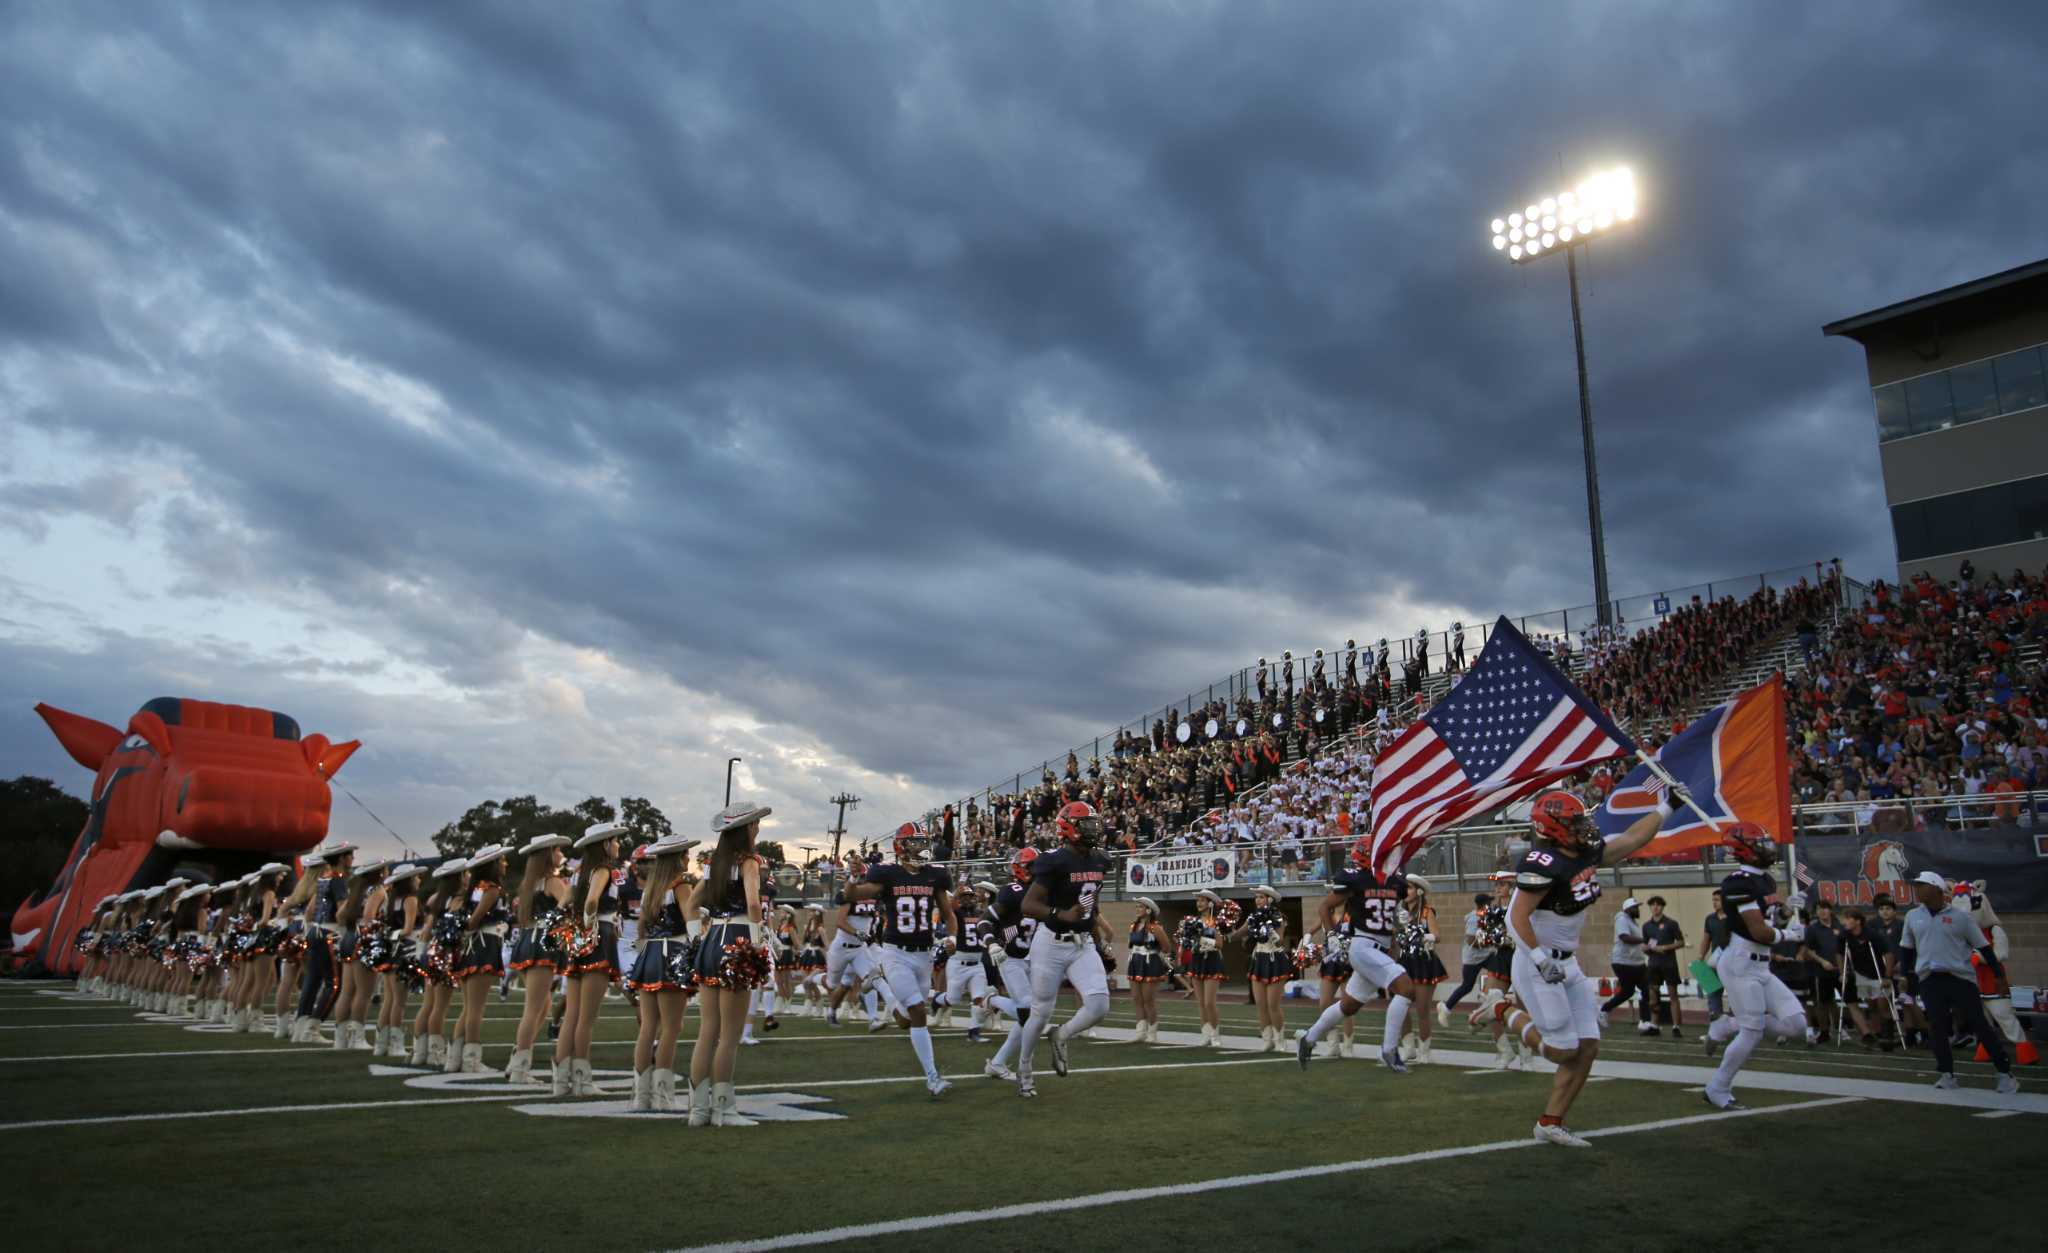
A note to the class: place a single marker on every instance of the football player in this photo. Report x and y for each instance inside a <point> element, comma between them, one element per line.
<point>965,979</point>
<point>1065,886</point>
<point>1756,998</point>
<point>915,898</point>
<point>1011,933</point>
<point>1556,883</point>
<point>848,962</point>
<point>1372,908</point>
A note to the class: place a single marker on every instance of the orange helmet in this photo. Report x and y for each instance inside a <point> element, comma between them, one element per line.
<point>912,845</point>
<point>1750,844</point>
<point>1078,823</point>
<point>1361,853</point>
<point>1020,863</point>
<point>1559,817</point>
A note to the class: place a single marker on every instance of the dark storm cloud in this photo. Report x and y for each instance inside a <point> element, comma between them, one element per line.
<point>955,380</point>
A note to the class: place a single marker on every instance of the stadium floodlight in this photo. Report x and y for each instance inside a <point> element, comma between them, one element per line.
<point>1568,220</point>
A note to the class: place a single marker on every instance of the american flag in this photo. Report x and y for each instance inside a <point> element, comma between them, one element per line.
<point>1510,726</point>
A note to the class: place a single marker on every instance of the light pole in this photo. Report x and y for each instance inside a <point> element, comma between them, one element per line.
<point>1566,222</point>
<point>730,762</point>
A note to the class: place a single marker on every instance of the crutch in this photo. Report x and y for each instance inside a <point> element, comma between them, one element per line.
<point>1842,993</point>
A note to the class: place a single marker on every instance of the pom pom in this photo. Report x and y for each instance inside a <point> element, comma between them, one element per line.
<point>743,965</point>
<point>682,963</point>
<point>1228,914</point>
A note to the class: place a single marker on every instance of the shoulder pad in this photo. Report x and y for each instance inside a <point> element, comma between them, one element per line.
<point>1533,880</point>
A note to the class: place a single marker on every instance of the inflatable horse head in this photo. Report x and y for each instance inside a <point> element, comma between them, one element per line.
<point>188,782</point>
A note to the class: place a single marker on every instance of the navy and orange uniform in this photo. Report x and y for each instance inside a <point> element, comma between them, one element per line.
<point>909,903</point>
<point>1418,951</point>
<point>1752,888</point>
<point>1372,905</point>
<point>537,946</point>
<point>1147,963</point>
<point>1568,882</point>
<point>395,954</point>
<point>973,938</point>
<point>1071,878</point>
<point>604,959</point>
<point>729,926</point>
<point>484,951</point>
<point>811,956</point>
<point>1204,941</point>
<point>1494,938</point>
<point>661,964</point>
<point>1272,961</point>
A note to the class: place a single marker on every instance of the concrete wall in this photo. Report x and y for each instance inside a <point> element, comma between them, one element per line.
<point>1976,454</point>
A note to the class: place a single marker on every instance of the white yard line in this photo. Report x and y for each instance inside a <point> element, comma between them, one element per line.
<point>2000,1113</point>
<point>1128,1196</point>
<point>264,1109</point>
<point>298,1050</point>
<point>975,1074</point>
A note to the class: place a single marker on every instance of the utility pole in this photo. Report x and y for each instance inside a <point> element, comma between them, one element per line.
<point>838,831</point>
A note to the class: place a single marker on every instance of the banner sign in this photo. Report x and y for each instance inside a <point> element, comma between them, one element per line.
<point>1851,869</point>
<point>1181,872</point>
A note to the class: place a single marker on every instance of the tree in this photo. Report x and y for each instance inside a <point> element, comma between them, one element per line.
<point>39,822</point>
<point>511,822</point>
<point>648,823</point>
<point>593,810</point>
<point>770,851</point>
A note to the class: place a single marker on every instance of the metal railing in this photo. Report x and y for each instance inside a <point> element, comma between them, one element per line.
<point>1633,614</point>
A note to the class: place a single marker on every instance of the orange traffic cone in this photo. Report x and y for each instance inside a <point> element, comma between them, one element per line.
<point>2026,1054</point>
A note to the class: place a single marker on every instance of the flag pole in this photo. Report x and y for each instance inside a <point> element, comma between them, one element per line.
<point>1657,768</point>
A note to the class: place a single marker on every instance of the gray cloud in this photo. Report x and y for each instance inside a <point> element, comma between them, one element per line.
<point>950,382</point>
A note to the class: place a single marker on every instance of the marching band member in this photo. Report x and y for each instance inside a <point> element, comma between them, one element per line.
<point>481,905</point>
<point>393,960</point>
<point>594,907</point>
<point>440,932</point>
<point>1272,964</point>
<point>1417,942</point>
<point>1555,884</point>
<point>1205,963</point>
<point>915,899</point>
<point>731,892</point>
<point>1010,937</point>
<point>357,918</point>
<point>291,946</point>
<point>537,956</point>
<point>661,974</point>
<point>810,961</point>
<point>322,980</point>
<point>1146,967</point>
<point>1331,976</point>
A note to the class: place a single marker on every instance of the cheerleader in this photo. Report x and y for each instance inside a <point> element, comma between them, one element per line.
<point>594,908</point>
<point>1334,972</point>
<point>537,954</point>
<point>661,974</point>
<point>394,958</point>
<point>810,961</point>
<point>1496,974</point>
<point>481,906</point>
<point>1417,942</point>
<point>731,893</point>
<point>357,919</point>
<point>1146,968</point>
<point>259,906</point>
<point>1203,936</point>
<point>291,948</point>
<point>440,935</point>
<point>188,932</point>
<point>1272,964</point>
<point>785,966</point>
<point>89,944</point>
<point>322,979</point>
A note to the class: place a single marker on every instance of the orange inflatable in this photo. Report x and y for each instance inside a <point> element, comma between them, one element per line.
<point>191,787</point>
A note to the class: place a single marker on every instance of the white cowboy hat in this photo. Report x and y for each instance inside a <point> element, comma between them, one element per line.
<point>453,866</point>
<point>1150,904</point>
<point>986,885</point>
<point>371,866</point>
<point>151,894</point>
<point>599,832</point>
<point>313,860</point>
<point>486,855</point>
<point>1206,895</point>
<point>1266,889</point>
<point>540,842</point>
<point>672,844</point>
<point>179,882</point>
<point>272,867</point>
<point>407,871</point>
<point>336,849</point>
<point>737,814</point>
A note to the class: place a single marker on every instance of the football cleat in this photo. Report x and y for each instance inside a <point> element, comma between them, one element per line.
<point>937,1087</point>
<point>1561,1135</point>
<point>1711,1045</point>
<point>877,1023</point>
<point>1725,1106</point>
<point>974,1035</point>
<point>1059,1054</point>
<point>1025,1088</point>
<point>1304,1048</point>
<point>2007,1085</point>
<point>1391,1059</point>
<point>996,1071</point>
<point>831,1017</point>
<point>1947,1083</point>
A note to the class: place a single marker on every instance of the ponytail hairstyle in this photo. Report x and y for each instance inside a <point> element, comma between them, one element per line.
<point>491,874</point>
<point>351,911</point>
<point>602,857</point>
<point>302,891</point>
<point>734,845</point>
<point>661,877</point>
<point>538,866</point>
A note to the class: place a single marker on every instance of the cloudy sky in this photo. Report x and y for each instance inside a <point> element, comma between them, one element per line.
<point>563,398</point>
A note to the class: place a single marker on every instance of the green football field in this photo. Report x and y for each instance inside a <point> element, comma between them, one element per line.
<point>128,1133</point>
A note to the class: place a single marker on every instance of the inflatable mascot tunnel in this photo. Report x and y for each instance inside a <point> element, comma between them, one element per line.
<point>191,787</point>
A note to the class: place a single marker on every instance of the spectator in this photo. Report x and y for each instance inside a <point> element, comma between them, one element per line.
<point>1662,938</point>
<point>1713,938</point>
<point>1823,951</point>
<point>1870,963</point>
<point>1630,966</point>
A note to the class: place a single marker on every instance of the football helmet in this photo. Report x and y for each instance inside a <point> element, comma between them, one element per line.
<point>1020,863</point>
<point>1078,823</point>
<point>913,846</point>
<point>1750,844</point>
<point>1561,818</point>
<point>1361,853</point>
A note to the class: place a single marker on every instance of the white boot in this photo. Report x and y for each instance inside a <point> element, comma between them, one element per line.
<point>340,1036</point>
<point>662,1095</point>
<point>643,1091</point>
<point>559,1076</point>
<point>437,1050</point>
<point>1422,1052</point>
<point>359,1037</point>
<point>382,1048</point>
<point>451,1060</point>
<point>579,1076</point>
<point>725,1107</point>
<point>472,1059</point>
<point>520,1068</point>
<point>1503,1053</point>
<point>700,1104</point>
<point>1344,1046</point>
<point>418,1056</point>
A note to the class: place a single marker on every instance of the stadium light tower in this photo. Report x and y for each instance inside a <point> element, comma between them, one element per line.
<point>1566,222</point>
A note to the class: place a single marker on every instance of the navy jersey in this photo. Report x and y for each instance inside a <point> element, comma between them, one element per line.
<point>1568,880</point>
<point>328,895</point>
<point>1744,888</point>
<point>1372,905</point>
<point>910,902</point>
<point>1142,939</point>
<point>1071,878</point>
<point>1012,929</point>
<point>972,937</point>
